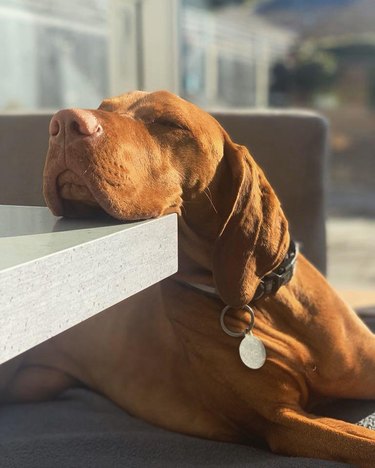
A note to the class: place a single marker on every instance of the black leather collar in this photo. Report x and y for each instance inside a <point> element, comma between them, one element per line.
<point>272,282</point>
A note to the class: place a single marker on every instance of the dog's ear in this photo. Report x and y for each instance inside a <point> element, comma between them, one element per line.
<point>254,238</point>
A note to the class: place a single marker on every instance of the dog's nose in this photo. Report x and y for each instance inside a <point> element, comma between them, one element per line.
<point>74,123</point>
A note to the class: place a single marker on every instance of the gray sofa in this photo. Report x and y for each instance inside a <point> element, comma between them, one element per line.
<point>83,429</point>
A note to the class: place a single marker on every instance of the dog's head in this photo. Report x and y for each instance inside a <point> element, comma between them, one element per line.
<point>143,155</point>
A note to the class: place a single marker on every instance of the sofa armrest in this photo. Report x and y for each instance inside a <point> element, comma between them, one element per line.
<point>23,148</point>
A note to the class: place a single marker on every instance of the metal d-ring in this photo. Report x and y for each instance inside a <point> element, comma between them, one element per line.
<point>237,334</point>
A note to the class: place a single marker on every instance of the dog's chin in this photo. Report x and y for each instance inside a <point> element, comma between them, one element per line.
<point>76,201</point>
<point>75,198</point>
<point>80,209</point>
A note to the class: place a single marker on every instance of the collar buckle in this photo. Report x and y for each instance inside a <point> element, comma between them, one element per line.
<point>272,282</point>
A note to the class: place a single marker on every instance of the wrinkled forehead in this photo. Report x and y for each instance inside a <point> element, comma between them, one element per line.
<point>123,102</point>
<point>164,105</point>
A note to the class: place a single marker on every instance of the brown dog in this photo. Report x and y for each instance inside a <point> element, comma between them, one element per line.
<point>162,355</point>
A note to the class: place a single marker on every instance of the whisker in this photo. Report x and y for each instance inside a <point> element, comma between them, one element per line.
<point>209,196</point>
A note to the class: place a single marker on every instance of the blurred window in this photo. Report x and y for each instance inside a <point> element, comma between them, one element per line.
<point>227,53</point>
<point>49,53</point>
<point>60,53</point>
<point>65,53</point>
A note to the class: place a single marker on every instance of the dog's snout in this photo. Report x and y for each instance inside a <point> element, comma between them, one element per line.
<point>74,123</point>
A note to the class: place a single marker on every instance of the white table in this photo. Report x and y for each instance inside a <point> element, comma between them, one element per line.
<point>55,273</point>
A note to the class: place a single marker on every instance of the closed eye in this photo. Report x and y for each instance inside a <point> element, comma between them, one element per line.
<point>173,124</point>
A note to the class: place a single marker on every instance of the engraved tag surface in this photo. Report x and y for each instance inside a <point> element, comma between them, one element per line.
<point>252,351</point>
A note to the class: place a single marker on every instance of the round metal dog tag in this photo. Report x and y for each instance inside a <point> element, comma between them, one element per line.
<point>252,351</point>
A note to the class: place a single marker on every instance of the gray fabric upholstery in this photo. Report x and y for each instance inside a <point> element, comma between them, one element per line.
<point>84,430</point>
<point>23,147</point>
<point>289,145</point>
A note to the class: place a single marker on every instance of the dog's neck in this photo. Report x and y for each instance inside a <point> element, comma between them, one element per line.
<point>269,284</point>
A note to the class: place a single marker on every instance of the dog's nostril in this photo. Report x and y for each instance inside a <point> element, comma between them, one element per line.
<point>73,123</point>
<point>54,127</point>
<point>85,125</point>
<point>74,127</point>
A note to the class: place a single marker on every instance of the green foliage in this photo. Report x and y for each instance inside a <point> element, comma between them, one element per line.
<point>358,48</point>
<point>306,72</point>
<point>314,69</point>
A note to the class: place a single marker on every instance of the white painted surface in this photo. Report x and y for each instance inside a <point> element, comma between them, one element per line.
<point>55,273</point>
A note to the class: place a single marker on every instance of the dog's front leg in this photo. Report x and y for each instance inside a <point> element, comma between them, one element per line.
<point>8,371</point>
<point>301,434</point>
<point>26,379</point>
